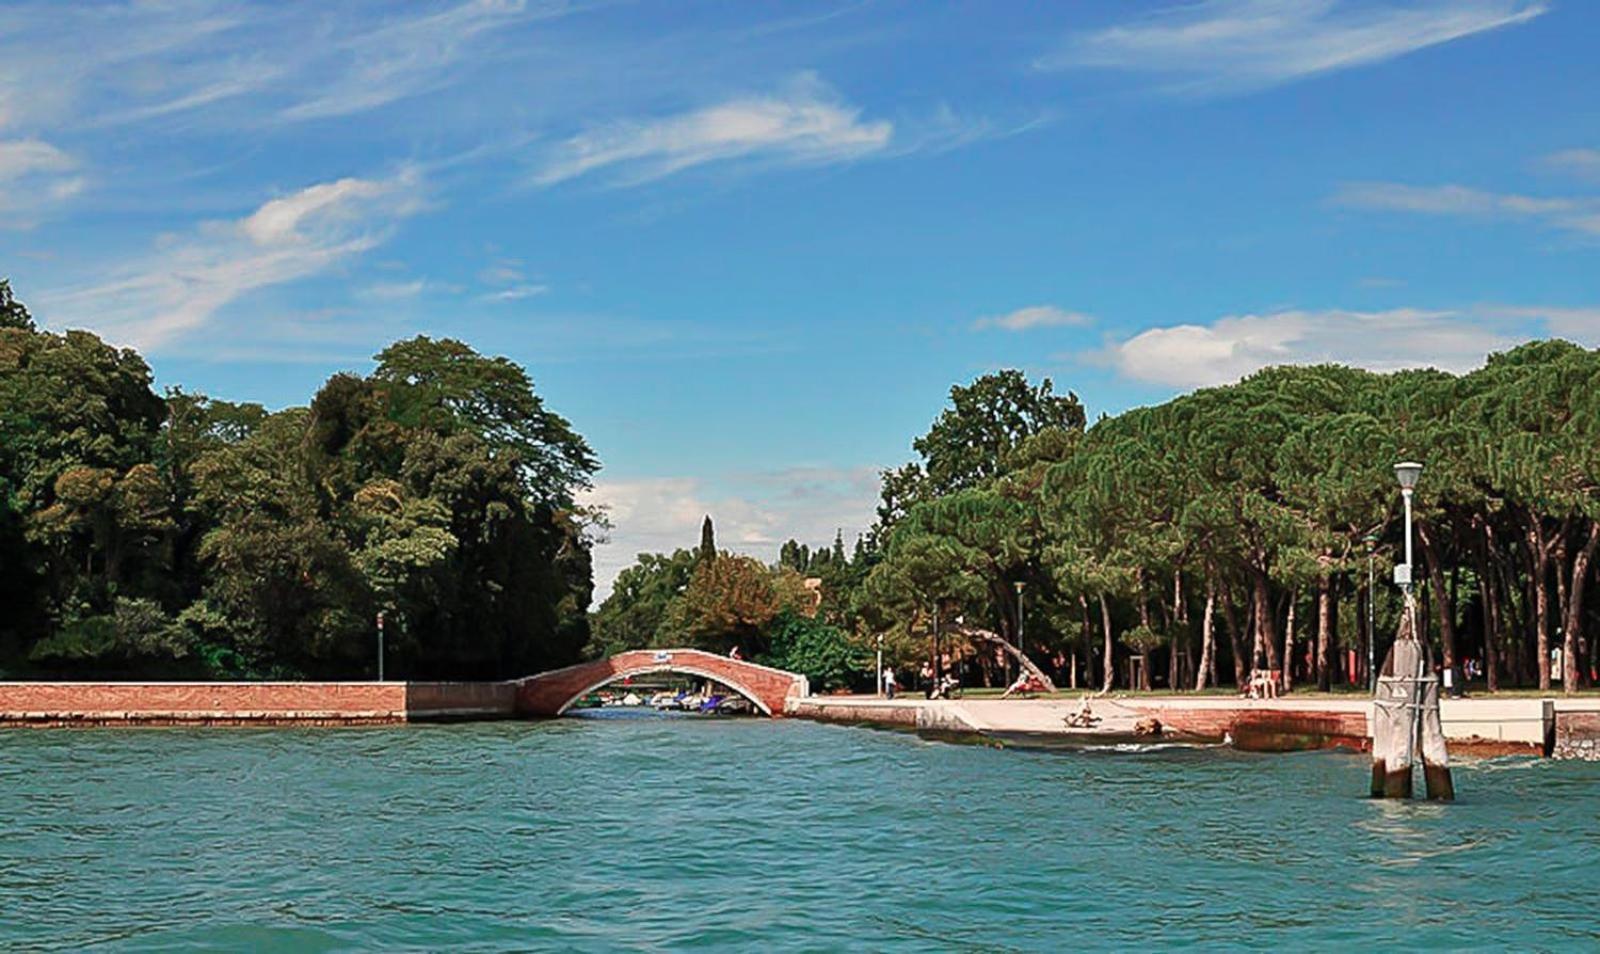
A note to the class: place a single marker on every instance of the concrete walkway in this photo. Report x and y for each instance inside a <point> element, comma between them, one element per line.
<point>1481,725</point>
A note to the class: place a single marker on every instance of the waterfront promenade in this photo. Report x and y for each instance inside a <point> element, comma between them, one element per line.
<point>1563,727</point>
<point>1475,726</point>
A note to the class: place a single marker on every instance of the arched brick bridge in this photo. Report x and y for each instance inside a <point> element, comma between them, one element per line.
<point>552,693</point>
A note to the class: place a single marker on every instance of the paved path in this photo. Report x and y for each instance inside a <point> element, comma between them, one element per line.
<point>1482,724</point>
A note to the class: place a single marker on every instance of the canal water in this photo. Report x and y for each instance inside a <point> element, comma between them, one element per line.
<point>616,833</point>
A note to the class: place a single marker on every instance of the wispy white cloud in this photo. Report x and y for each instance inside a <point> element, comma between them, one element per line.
<point>753,513</point>
<point>1236,45</point>
<point>1582,163</point>
<point>120,63</point>
<point>1225,350</point>
<point>407,56</point>
<point>804,123</point>
<point>394,291</point>
<point>516,293</point>
<point>182,285</point>
<point>1034,316</point>
<point>1571,213</point>
<point>33,176</point>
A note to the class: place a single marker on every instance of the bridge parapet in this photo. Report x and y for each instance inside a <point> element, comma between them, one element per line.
<point>552,693</point>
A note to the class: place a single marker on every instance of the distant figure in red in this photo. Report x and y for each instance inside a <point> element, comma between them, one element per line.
<point>734,653</point>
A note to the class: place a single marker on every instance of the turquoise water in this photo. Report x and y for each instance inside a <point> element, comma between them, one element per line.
<point>696,834</point>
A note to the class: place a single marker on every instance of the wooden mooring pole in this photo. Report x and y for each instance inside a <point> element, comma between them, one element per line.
<point>1405,719</point>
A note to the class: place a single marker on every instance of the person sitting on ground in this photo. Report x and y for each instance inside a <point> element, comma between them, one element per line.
<point>1084,718</point>
<point>1026,684</point>
<point>945,688</point>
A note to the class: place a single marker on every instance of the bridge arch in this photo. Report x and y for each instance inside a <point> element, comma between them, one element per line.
<point>553,693</point>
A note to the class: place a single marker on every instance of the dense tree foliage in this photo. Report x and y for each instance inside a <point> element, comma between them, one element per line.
<point>824,653</point>
<point>1252,510</point>
<point>182,535</point>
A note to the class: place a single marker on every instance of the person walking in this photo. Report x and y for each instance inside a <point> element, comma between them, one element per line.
<point>888,683</point>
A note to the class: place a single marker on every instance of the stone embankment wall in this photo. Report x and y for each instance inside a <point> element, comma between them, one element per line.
<point>1578,736</point>
<point>893,713</point>
<point>248,703</point>
<point>434,701</point>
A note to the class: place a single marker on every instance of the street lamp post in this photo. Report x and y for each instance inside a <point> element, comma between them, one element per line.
<point>1405,714</point>
<point>1020,646</point>
<point>1407,474</point>
<point>1372,612</point>
<point>380,646</point>
<point>880,664</point>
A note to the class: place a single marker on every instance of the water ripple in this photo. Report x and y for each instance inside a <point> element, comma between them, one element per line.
<point>676,834</point>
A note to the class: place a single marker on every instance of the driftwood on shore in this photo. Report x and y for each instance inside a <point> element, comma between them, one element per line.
<point>1405,719</point>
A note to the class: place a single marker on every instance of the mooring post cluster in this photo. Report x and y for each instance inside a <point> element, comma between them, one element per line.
<point>1405,708</point>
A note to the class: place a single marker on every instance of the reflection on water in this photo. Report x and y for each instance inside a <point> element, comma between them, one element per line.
<point>620,831</point>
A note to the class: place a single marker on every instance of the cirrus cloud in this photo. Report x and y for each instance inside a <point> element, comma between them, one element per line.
<point>33,174</point>
<point>182,285</point>
<point>1570,213</point>
<point>1237,45</point>
<point>805,123</point>
<point>1034,316</point>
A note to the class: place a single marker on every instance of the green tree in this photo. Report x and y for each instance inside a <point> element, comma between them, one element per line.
<point>708,540</point>
<point>824,653</point>
<point>13,314</point>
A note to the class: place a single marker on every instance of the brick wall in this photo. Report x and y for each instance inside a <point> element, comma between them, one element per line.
<point>1266,729</point>
<point>247,703</point>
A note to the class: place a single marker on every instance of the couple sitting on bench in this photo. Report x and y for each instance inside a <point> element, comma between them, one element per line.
<point>1264,684</point>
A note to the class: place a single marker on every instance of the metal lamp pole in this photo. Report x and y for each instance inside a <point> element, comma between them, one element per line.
<point>1407,474</point>
<point>1372,613</point>
<point>1020,645</point>
<point>380,646</point>
<point>880,664</point>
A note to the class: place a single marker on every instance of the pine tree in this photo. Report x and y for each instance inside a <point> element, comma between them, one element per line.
<point>12,312</point>
<point>708,540</point>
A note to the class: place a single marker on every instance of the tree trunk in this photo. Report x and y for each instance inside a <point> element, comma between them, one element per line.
<point>1514,614</point>
<point>1178,649</point>
<point>1443,604</point>
<point>1538,573</point>
<point>1241,658</point>
<point>1208,638</point>
<point>1004,645</point>
<point>1266,637</point>
<point>1085,635</point>
<point>1491,622</point>
<point>1325,633</point>
<point>1109,661</point>
<point>1571,670</point>
<point>1288,645</point>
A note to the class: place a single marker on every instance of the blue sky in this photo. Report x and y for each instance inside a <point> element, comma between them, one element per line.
<point>747,248</point>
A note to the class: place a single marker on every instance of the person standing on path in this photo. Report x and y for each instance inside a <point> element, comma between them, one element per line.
<point>888,683</point>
